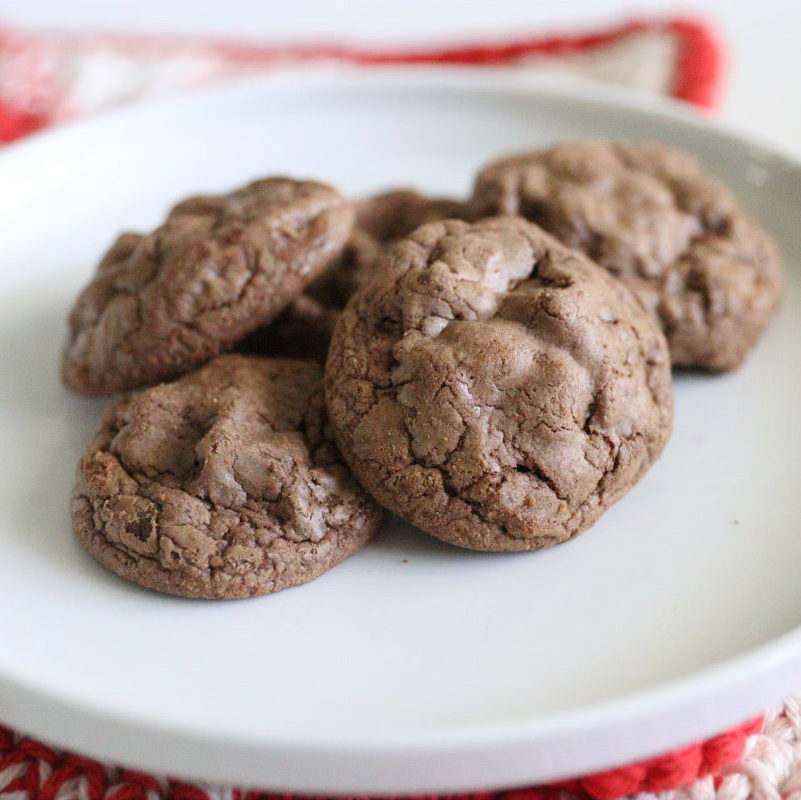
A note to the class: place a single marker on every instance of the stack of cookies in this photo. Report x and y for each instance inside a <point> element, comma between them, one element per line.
<point>496,371</point>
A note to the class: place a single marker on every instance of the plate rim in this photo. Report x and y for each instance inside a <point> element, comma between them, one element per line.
<point>744,683</point>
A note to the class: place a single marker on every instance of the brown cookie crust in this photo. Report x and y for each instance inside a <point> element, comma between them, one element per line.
<point>496,388</point>
<point>223,484</point>
<point>396,213</point>
<point>648,215</point>
<point>217,269</point>
<point>304,329</point>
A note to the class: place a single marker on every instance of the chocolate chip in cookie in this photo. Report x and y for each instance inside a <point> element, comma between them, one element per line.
<point>647,214</point>
<point>223,484</point>
<point>496,388</point>
<point>219,267</point>
<point>304,329</point>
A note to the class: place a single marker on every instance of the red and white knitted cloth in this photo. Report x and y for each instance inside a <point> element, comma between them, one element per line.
<point>48,78</point>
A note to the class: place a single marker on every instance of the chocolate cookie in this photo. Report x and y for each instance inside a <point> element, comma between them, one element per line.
<point>394,214</point>
<point>496,388</point>
<point>677,238</point>
<point>223,484</point>
<point>217,269</point>
<point>304,329</point>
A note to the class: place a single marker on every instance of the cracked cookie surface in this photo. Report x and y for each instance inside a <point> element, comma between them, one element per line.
<point>218,268</point>
<point>496,388</point>
<point>223,484</point>
<point>304,329</point>
<point>647,214</point>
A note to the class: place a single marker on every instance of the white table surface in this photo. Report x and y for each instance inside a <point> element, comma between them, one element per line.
<point>763,37</point>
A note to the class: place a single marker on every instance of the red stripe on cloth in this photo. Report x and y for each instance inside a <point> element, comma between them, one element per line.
<point>700,70</point>
<point>672,770</point>
<point>185,791</point>
<point>700,47</point>
<point>36,60</point>
<point>14,123</point>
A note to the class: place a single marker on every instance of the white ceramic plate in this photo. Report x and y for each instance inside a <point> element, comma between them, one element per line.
<point>413,666</point>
